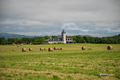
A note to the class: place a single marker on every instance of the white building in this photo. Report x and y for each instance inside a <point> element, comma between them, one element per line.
<point>61,39</point>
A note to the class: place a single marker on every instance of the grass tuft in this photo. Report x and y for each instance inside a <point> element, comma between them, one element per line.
<point>89,49</point>
<point>56,77</point>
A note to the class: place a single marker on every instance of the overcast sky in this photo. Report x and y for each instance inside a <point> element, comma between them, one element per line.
<point>49,17</point>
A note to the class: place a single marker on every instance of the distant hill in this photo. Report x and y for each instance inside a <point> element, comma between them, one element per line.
<point>6,35</point>
<point>114,37</point>
<point>85,35</point>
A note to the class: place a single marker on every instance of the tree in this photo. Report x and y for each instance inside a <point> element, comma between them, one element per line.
<point>91,40</point>
<point>104,40</point>
<point>96,39</point>
<point>0,40</point>
<point>116,41</point>
<point>3,43</point>
<point>3,40</point>
<point>11,40</point>
<point>40,40</point>
<point>17,40</point>
<point>73,37</point>
<point>82,40</point>
<point>54,36</point>
<point>77,39</point>
<point>46,37</point>
<point>86,39</point>
<point>25,39</point>
<point>109,41</point>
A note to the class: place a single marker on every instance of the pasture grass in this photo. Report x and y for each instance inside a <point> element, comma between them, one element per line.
<point>71,63</point>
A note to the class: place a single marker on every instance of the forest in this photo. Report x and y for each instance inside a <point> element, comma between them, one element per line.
<point>78,39</point>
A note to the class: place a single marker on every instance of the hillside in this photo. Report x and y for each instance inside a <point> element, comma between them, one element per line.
<point>114,37</point>
<point>6,35</point>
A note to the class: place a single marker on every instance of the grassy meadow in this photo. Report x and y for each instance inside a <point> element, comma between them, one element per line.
<point>71,63</point>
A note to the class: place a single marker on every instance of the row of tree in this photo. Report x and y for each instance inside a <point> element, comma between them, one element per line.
<point>96,40</point>
<point>34,40</point>
<point>77,39</point>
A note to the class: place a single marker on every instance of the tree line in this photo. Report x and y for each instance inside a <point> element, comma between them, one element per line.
<point>96,40</point>
<point>77,39</point>
<point>34,40</point>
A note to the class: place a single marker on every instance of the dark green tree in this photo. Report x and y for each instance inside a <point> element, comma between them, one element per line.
<point>3,40</point>
<point>82,40</point>
<point>11,40</point>
<point>116,41</point>
<point>91,40</point>
<point>25,39</point>
<point>54,36</point>
<point>96,39</point>
<point>3,43</point>
<point>86,39</point>
<point>40,40</point>
<point>46,37</point>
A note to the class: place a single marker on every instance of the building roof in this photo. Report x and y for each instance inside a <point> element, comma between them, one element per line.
<point>68,37</point>
<point>54,39</point>
<point>59,38</point>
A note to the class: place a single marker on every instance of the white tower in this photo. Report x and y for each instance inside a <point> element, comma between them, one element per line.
<point>63,36</point>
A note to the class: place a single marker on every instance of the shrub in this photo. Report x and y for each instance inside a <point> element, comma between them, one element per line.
<point>3,43</point>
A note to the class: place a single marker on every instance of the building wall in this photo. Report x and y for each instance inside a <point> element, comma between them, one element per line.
<point>55,42</point>
<point>64,37</point>
<point>69,39</point>
<point>46,42</point>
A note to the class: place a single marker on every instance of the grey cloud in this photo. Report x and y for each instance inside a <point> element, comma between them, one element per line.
<point>70,30</point>
<point>91,29</point>
<point>26,23</point>
<point>78,17</point>
<point>63,10</point>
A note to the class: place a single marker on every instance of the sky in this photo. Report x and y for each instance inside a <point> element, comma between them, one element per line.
<point>97,18</point>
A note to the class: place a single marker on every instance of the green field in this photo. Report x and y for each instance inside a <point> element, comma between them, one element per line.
<point>71,63</point>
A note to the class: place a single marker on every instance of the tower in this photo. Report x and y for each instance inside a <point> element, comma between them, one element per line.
<point>63,36</point>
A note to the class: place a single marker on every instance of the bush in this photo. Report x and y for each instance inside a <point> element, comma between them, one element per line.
<point>54,43</point>
<point>9,43</point>
<point>36,43</point>
<point>3,43</point>
<point>18,43</point>
<point>60,43</point>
